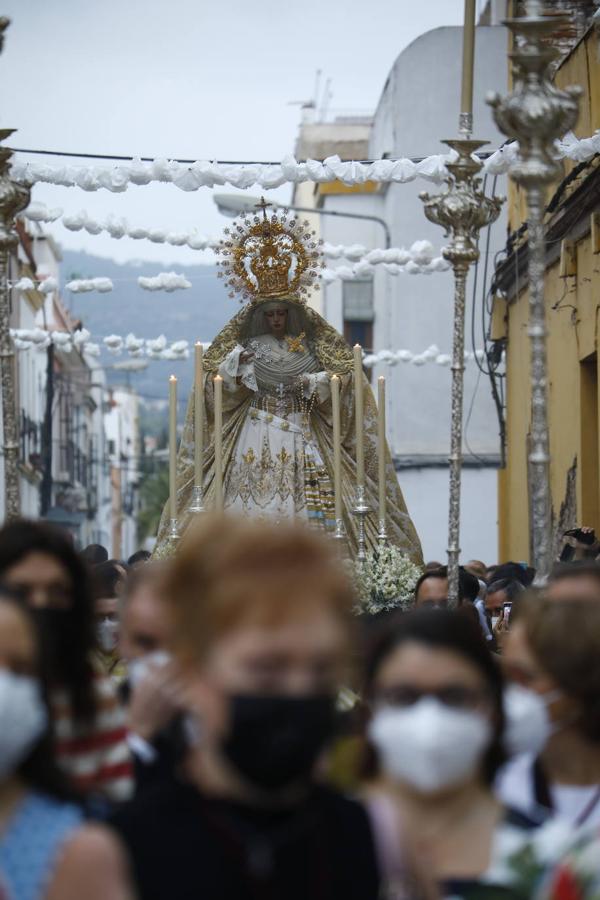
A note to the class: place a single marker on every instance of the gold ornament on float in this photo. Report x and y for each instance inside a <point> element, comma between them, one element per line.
<point>269,256</point>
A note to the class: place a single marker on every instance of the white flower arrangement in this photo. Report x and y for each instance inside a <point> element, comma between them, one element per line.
<point>385,580</point>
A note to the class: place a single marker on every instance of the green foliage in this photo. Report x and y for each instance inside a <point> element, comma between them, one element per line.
<point>154,493</point>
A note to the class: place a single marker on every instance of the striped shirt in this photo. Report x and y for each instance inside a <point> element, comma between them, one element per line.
<point>94,756</point>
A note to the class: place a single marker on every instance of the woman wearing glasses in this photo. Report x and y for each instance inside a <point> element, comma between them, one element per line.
<point>435,695</point>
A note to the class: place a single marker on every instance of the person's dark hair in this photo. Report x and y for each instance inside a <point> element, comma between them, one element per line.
<point>576,569</point>
<point>468,585</point>
<point>449,630</point>
<point>94,554</point>
<point>138,557</point>
<point>18,539</point>
<point>514,571</point>
<point>39,769</point>
<point>105,580</point>
<point>511,587</point>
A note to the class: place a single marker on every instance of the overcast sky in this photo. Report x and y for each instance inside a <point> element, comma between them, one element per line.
<point>191,79</point>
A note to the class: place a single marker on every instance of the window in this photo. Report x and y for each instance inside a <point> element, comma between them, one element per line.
<point>357,299</point>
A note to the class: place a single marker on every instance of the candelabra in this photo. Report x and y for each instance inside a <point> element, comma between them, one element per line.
<point>462,210</point>
<point>382,534</point>
<point>360,510</point>
<point>173,530</point>
<point>536,113</point>
<point>13,198</point>
<point>197,500</point>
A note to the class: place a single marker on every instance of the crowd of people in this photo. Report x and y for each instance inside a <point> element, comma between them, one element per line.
<point>221,725</point>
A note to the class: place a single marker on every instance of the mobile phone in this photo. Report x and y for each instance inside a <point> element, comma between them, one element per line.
<point>506,610</point>
<point>584,537</point>
<point>567,553</point>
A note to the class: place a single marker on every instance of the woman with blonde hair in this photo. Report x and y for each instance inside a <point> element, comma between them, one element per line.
<point>261,618</point>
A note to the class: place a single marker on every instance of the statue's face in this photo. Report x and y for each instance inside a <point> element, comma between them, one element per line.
<point>277,320</point>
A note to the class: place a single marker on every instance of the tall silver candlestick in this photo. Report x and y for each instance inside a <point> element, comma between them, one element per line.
<point>463,210</point>
<point>536,113</point>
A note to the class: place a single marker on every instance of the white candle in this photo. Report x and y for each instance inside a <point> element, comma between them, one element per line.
<point>381,445</point>
<point>466,94</point>
<point>173,445</point>
<point>359,416</point>
<point>198,415</point>
<point>218,385</point>
<point>337,446</point>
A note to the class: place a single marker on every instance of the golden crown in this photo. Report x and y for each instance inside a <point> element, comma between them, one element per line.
<point>269,255</point>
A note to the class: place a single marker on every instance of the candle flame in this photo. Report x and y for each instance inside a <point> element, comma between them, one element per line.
<point>172,378</point>
<point>218,378</point>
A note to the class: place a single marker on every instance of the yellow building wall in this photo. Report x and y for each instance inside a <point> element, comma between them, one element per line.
<point>572,307</point>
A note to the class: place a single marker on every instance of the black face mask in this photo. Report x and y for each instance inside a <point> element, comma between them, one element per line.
<point>274,742</point>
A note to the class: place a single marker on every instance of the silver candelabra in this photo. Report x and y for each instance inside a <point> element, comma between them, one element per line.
<point>536,112</point>
<point>360,510</point>
<point>196,500</point>
<point>463,210</point>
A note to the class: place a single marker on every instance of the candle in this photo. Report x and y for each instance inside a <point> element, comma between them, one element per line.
<point>359,416</point>
<point>381,445</point>
<point>337,446</point>
<point>173,446</point>
<point>466,94</point>
<point>218,386</point>
<point>198,415</point>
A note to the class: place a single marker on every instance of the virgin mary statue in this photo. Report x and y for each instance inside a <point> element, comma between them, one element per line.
<point>276,358</point>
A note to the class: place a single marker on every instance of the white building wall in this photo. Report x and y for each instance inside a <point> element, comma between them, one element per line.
<point>418,108</point>
<point>121,423</point>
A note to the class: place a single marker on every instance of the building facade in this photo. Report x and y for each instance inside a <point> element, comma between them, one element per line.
<point>572,296</point>
<point>62,406</point>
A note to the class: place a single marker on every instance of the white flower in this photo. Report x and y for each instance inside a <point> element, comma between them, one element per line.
<point>385,580</point>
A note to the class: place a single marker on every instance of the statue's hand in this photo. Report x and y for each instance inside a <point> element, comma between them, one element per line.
<point>247,356</point>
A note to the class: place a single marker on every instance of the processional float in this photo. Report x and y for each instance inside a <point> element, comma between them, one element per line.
<point>198,504</point>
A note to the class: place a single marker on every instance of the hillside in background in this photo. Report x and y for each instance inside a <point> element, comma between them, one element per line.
<point>197,313</point>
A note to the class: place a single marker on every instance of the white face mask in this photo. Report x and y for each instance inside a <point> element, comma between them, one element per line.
<point>139,668</point>
<point>23,719</point>
<point>429,745</point>
<point>527,723</point>
<point>107,634</point>
<point>495,620</point>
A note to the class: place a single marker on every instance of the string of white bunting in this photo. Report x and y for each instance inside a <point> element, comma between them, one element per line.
<point>204,173</point>
<point>172,281</point>
<point>159,348</point>
<point>66,341</point>
<point>432,354</point>
<point>418,259</point>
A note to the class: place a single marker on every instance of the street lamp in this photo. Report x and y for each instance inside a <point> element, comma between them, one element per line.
<point>233,204</point>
